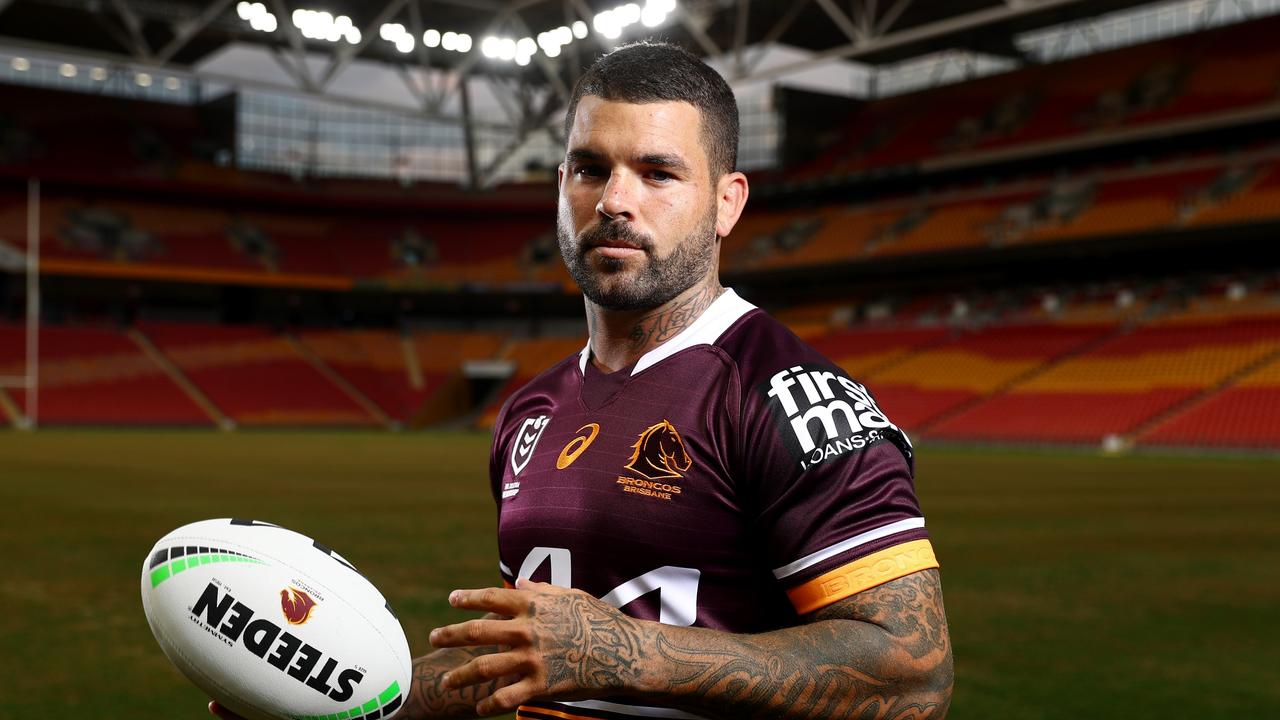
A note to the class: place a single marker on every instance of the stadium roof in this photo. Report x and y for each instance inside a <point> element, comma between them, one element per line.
<point>181,33</point>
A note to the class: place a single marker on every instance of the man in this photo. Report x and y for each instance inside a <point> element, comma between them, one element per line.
<point>735,515</point>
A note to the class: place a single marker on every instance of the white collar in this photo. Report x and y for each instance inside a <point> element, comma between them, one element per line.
<point>705,330</point>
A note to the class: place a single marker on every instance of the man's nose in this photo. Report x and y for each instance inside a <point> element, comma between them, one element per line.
<point>618,199</point>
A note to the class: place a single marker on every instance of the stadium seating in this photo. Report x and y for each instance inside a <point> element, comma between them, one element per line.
<point>97,376</point>
<point>1122,384</point>
<point>254,377</point>
<point>375,363</point>
<point>1230,68</point>
<point>530,357</point>
<point>924,386</point>
<point>1246,414</point>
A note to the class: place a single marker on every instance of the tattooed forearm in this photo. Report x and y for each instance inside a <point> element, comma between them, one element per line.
<point>596,648</point>
<point>883,654</point>
<point>427,696</point>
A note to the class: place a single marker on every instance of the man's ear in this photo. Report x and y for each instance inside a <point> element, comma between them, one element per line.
<point>731,198</point>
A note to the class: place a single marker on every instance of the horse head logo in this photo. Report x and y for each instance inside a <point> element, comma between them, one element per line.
<point>659,453</point>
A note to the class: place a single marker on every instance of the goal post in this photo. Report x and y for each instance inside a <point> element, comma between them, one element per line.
<point>29,381</point>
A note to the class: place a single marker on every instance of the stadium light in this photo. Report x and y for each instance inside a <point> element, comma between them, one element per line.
<point>464,43</point>
<point>98,74</point>
<point>20,64</point>
<point>67,70</point>
<point>611,23</point>
<point>172,83</point>
<point>431,38</point>
<point>579,29</point>
<point>142,79</point>
<point>257,15</point>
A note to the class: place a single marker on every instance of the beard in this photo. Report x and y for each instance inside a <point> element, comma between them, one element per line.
<point>611,284</point>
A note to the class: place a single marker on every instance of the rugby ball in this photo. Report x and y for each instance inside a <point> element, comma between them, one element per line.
<point>273,625</point>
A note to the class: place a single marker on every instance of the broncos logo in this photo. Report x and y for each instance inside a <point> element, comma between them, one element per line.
<point>659,453</point>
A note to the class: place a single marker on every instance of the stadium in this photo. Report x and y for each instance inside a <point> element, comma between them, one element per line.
<point>288,259</point>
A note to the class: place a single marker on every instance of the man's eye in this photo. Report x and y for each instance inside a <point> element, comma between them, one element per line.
<point>661,176</point>
<point>592,171</point>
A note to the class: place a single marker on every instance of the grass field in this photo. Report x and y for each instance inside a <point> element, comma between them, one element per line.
<point>1078,587</point>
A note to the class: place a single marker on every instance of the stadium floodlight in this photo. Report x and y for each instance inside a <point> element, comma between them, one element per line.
<point>464,43</point>
<point>489,46</point>
<point>628,14</point>
<point>607,24</point>
<point>245,10</point>
<point>652,16</point>
<point>353,35</point>
<point>172,83</point>
<point>142,79</point>
<point>391,31</point>
<point>20,64</point>
<point>553,51</point>
<point>526,46</point>
<point>98,74</point>
<point>449,41</point>
<point>563,35</point>
<point>579,29</point>
<point>431,38</point>
<point>405,43</point>
<point>522,60</point>
<point>506,49</point>
<point>67,70</point>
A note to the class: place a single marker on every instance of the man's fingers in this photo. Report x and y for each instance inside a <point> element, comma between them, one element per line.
<point>508,698</point>
<point>503,601</point>
<point>222,712</point>
<point>481,632</point>
<point>484,668</point>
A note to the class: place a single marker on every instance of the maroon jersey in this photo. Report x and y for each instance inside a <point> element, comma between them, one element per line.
<point>732,479</point>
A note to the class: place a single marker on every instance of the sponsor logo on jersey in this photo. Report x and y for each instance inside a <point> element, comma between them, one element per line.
<point>296,605</point>
<point>526,440</point>
<point>825,415</point>
<point>578,445</point>
<point>658,455</point>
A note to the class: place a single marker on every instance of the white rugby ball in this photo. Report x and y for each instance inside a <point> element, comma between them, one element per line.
<point>273,625</point>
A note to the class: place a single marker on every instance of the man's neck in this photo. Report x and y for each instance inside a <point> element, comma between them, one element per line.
<point>620,337</point>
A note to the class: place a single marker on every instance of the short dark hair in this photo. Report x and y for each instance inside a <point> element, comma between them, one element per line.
<point>646,72</point>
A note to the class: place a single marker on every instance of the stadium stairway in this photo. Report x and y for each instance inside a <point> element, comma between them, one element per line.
<point>924,386</point>
<point>359,398</point>
<point>956,415</point>
<point>255,377</point>
<point>10,408</point>
<point>180,379</point>
<point>1223,405</point>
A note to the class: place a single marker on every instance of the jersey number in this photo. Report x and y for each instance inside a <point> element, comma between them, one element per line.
<point>677,586</point>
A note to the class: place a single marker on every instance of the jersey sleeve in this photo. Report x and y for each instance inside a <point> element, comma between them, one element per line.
<point>830,479</point>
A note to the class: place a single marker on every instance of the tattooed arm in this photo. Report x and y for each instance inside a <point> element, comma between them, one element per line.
<point>428,697</point>
<point>883,653</point>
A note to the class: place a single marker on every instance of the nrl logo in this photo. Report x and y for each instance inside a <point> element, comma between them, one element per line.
<point>526,440</point>
<point>659,454</point>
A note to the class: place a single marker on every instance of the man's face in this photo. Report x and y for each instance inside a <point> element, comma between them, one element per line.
<point>637,213</point>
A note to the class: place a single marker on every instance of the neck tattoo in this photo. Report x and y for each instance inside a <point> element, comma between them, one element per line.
<point>662,326</point>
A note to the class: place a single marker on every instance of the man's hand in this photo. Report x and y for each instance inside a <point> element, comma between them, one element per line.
<point>884,653</point>
<point>222,712</point>
<point>556,643</point>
